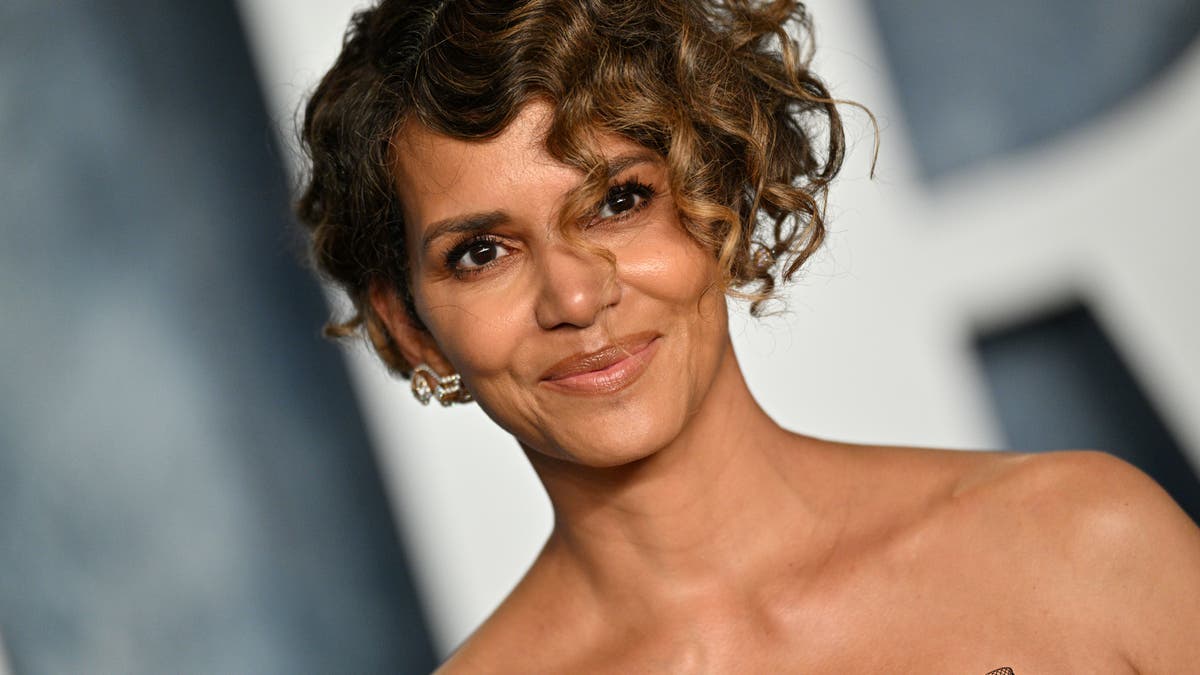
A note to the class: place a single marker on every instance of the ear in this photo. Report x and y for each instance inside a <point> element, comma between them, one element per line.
<point>415,343</point>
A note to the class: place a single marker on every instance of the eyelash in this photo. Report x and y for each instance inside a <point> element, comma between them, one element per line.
<point>455,255</point>
<point>633,186</point>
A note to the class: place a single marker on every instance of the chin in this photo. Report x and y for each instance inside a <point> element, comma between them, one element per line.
<point>615,438</point>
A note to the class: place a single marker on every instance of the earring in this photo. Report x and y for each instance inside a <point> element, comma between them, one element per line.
<point>427,384</point>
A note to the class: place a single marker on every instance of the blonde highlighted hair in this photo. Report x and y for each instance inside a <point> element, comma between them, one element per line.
<point>720,89</point>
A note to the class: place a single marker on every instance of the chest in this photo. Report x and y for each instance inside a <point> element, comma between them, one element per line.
<point>902,644</point>
<point>943,625</point>
<point>881,625</point>
<point>979,648</point>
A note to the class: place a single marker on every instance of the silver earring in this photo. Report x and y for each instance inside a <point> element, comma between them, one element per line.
<point>427,384</point>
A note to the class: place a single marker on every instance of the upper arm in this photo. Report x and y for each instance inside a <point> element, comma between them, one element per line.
<point>1133,557</point>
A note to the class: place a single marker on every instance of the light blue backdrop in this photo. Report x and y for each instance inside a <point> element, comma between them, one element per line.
<point>185,485</point>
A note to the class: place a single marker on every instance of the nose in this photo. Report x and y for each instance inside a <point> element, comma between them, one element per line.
<point>576,286</point>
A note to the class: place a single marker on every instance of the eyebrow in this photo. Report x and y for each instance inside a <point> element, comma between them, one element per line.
<point>473,223</point>
<point>619,164</point>
<point>470,224</point>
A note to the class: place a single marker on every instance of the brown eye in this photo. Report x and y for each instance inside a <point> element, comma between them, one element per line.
<point>624,198</point>
<point>476,253</point>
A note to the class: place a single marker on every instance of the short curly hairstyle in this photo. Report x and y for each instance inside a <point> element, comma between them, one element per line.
<point>720,89</point>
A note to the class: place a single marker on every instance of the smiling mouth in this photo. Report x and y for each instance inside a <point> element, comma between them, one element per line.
<point>606,370</point>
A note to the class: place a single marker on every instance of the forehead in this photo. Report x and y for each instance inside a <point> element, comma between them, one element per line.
<point>439,177</point>
<point>432,169</point>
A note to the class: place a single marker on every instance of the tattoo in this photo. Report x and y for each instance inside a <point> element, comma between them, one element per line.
<point>1001,671</point>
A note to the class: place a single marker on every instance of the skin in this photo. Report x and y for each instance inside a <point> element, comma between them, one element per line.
<point>693,533</point>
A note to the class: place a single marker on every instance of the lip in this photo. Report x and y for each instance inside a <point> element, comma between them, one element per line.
<point>604,371</point>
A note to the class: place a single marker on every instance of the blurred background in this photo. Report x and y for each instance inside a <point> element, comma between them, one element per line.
<point>192,480</point>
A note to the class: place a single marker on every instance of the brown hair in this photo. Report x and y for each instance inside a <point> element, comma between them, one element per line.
<point>718,88</point>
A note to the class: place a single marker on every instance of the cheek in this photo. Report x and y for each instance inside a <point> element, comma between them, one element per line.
<point>478,333</point>
<point>484,338</point>
<point>672,267</point>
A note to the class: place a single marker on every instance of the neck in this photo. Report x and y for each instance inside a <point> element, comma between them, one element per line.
<point>691,518</point>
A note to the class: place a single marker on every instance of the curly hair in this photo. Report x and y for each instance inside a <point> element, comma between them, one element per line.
<point>720,89</point>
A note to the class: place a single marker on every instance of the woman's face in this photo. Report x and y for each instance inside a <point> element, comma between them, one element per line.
<point>582,359</point>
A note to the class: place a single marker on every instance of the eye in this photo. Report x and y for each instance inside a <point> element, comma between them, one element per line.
<point>474,254</point>
<point>625,198</point>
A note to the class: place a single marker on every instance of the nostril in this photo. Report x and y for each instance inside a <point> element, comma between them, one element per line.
<point>575,289</point>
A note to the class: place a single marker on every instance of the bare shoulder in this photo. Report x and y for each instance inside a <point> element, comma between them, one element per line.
<point>1075,487</point>
<point>1081,498</point>
<point>502,644</point>
<point>482,651</point>
<point>1112,544</point>
<point>1082,538</point>
<point>539,627</point>
<point>1080,503</point>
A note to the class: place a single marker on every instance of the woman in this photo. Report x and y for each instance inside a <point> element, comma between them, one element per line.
<point>543,206</point>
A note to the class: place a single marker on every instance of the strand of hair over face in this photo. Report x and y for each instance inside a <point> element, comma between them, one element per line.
<point>721,90</point>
